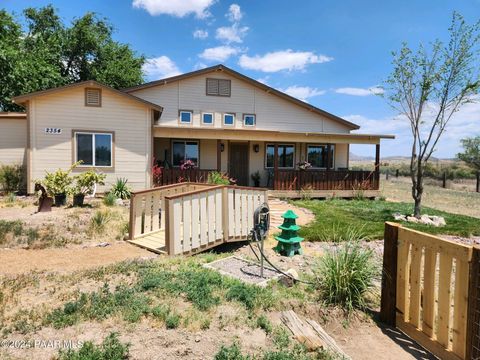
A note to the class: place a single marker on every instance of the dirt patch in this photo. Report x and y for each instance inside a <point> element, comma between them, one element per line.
<point>17,261</point>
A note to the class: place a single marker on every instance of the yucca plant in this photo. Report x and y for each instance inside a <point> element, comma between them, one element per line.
<point>345,275</point>
<point>99,220</point>
<point>120,189</point>
<point>109,199</point>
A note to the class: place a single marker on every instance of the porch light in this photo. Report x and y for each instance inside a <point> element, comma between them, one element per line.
<point>256,148</point>
<point>222,147</point>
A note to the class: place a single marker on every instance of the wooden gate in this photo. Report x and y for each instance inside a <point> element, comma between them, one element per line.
<point>429,288</point>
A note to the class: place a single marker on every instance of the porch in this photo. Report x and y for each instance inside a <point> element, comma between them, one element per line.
<point>290,164</point>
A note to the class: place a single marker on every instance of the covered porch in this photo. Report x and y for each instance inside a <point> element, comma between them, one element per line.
<point>288,163</point>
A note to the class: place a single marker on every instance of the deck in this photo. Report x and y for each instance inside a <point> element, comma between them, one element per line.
<point>153,242</point>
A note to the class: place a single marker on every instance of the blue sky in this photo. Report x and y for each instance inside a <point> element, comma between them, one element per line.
<point>332,53</point>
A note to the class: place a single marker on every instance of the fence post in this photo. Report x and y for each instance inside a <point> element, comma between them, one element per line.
<point>397,173</point>
<point>478,181</point>
<point>388,307</point>
<point>473,315</point>
<point>444,180</point>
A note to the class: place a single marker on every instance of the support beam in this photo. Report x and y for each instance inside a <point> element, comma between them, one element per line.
<point>329,156</point>
<point>219,155</point>
<point>377,166</point>
<point>275,166</point>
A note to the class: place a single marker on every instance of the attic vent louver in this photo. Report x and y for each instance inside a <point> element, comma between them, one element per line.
<point>219,87</point>
<point>93,97</point>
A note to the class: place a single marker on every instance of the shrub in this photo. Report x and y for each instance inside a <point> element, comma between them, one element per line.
<point>10,198</point>
<point>231,352</point>
<point>109,199</point>
<point>15,227</point>
<point>11,177</point>
<point>345,275</point>
<point>110,349</point>
<point>59,182</point>
<point>99,220</point>
<point>86,181</point>
<point>218,178</point>
<point>172,321</point>
<point>120,189</point>
<point>249,295</point>
<point>265,324</point>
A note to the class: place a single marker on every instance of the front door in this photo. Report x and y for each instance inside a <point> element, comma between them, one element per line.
<point>238,163</point>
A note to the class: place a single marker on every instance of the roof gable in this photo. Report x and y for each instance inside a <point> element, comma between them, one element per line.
<point>257,84</point>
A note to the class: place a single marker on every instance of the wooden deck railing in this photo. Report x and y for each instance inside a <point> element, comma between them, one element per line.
<point>429,289</point>
<point>326,180</point>
<point>194,216</point>
<point>176,175</point>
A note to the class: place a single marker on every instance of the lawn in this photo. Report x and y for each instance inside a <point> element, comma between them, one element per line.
<point>340,220</point>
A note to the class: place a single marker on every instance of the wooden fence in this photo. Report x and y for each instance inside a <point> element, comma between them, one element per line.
<point>427,291</point>
<point>326,180</point>
<point>191,217</point>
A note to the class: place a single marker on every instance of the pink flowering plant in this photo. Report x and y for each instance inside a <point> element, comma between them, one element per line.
<point>188,165</point>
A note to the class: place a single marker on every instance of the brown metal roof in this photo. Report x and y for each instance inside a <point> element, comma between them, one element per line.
<point>23,98</point>
<point>249,80</point>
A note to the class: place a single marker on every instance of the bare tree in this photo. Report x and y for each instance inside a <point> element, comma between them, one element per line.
<point>428,86</point>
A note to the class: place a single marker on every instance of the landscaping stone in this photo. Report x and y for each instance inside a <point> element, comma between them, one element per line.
<point>424,219</point>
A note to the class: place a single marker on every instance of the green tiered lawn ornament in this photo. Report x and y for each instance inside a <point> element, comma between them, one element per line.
<point>289,241</point>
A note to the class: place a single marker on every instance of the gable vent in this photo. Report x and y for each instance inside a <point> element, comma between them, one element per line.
<point>93,97</point>
<point>218,87</point>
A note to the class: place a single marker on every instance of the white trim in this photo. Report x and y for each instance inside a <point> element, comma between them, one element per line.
<point>213,118</point>
<point>228,114</point>
<point>93,148</point>
<point>283,144</point>
<point>254,120</point>
<point>185,112</point>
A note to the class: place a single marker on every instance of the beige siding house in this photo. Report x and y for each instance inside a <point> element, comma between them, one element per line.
<point>13,140</point>
<point>214,119</point>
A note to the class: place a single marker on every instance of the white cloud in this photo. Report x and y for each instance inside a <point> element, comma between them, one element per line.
<point>463,124</point>
<point>160,67</point>
<point>200,34</point>
<point>282,60</point>
<point>219,53</point>
<point>177,8</point>
<point>303,92</point>
<point>234,13</point>
<point>264,80</point>
<point>374,90</point>
<point>229,34</point>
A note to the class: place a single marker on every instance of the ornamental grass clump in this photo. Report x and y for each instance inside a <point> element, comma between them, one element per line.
<point>345,276</point>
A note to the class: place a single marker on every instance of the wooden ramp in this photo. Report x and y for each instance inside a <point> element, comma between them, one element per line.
<point>153,242</point>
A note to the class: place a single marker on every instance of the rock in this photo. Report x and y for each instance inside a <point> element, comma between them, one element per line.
<point>399,217</point>
<point>197,339</point>
<point>289,280</point>
<point>103,244</point>
<point>412,219</point>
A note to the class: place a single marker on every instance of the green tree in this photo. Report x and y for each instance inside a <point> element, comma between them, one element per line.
<point>471,152</point>
<point>427,87</point>
<point>48,54</point>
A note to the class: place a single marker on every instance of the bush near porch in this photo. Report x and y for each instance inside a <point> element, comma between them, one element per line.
<point>343,220</point>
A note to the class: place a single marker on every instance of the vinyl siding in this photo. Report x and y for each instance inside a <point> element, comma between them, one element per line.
<point>13,141</point>
<point>272,112</point>
<point>129,120</point>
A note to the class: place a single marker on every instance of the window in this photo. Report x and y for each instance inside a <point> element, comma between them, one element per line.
<point>94,149</point>
<point>184,150</point>
<point>207,118</point>
<point>228,119</point>
<point>93,97</point>
<point>317,155</point>
<point>218,87</point>
<point>248,119</point>
<point>286,156</point>
<point>186,116</point>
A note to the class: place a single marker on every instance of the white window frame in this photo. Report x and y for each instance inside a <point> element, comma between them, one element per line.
<point>280,167</point>
<point>228,114</point>
<point>93,133</point>
<point>190,112</point>
<point>332,146</point>
<point>254,120</point>
<point>203,119</point>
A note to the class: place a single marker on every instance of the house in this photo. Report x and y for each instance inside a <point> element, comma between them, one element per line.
<point>216,117</point>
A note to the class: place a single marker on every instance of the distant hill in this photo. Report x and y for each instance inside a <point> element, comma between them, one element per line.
<point>397,158</point>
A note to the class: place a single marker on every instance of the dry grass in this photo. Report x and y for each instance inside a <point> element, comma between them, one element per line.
<point>450,200</point>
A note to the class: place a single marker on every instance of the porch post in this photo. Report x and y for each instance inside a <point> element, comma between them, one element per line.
<point>219,155</point>
<point>377,166</point>
<point>275,166</point>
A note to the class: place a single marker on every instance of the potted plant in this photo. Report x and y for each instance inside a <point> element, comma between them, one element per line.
<point>256,178</point>
<point>58,184</point>
<point>85,185</point>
